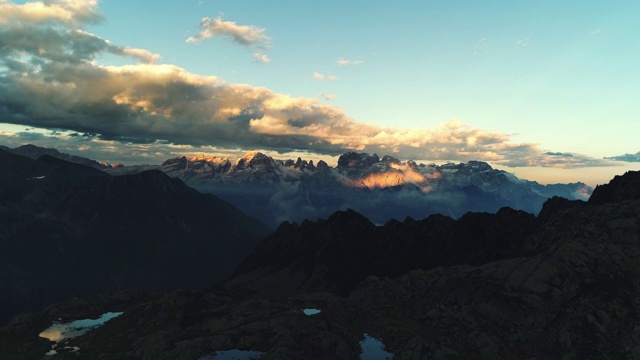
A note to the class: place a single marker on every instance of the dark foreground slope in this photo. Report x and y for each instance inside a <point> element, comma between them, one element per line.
<point>334,255</point>
<point>69,230</point>
<point>565,285</point>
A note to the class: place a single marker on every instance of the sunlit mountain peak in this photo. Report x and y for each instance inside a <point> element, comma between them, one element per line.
<point>208,158</point>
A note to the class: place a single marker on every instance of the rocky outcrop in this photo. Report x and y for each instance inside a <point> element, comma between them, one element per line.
<point>621,188</point>
<point>354,160</point>
<point>575,296</point>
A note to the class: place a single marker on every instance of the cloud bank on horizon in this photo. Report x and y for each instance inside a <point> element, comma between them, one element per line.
<point>49,78</point>
<point>626,157</point>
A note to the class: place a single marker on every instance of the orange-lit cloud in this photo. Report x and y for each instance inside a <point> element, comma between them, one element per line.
<point>38,12</point>
<point>50,80</point>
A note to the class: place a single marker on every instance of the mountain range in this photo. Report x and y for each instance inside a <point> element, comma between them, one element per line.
<point>508,285</point>
<point>193,275</point>
<point>274,191</point>
<point>35,152</point>
<point>379,188</point>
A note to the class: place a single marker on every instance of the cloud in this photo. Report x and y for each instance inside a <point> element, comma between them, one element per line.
<point>38,12</point>
<point>320,76</point>
<point>263,58</point>
<point>327,96</point>
<point>8,134</point>
<point>550,153</point>
<point>626,157</point>
<point>246,35</point>
<point>48,79</point>
<point>347,62</point>
<point>140,54</point>
<point>25,43</point>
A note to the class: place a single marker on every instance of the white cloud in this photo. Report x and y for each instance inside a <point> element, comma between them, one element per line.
<point>247,35</point>
<point>320,76</point>
<point>347,62</point>
<point>327,96</point>
<point>263,58</point>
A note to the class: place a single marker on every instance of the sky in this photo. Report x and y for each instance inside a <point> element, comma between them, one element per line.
<point>547,90</point>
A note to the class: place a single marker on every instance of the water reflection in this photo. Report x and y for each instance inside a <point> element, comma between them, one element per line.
<point>310,312</point>
<point>373,349</point>
<point>58,332</point>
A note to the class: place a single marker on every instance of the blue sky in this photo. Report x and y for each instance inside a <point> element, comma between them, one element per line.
<point>545,89</point>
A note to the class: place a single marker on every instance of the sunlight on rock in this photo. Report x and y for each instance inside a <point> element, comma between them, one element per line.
<point>62,331</point>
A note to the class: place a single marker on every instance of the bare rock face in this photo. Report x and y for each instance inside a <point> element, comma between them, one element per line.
<point>354,160</point>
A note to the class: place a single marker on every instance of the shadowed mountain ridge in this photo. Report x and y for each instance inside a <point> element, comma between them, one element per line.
<point>70,230</point>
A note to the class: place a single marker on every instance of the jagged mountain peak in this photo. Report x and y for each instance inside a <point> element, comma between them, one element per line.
<point>180,161</point>
<point>254,159</point>
<point>208,158</point>
<point>620,188</point>
<point>388,159</point>
<point>253,155</point>
<point>357,160</point>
